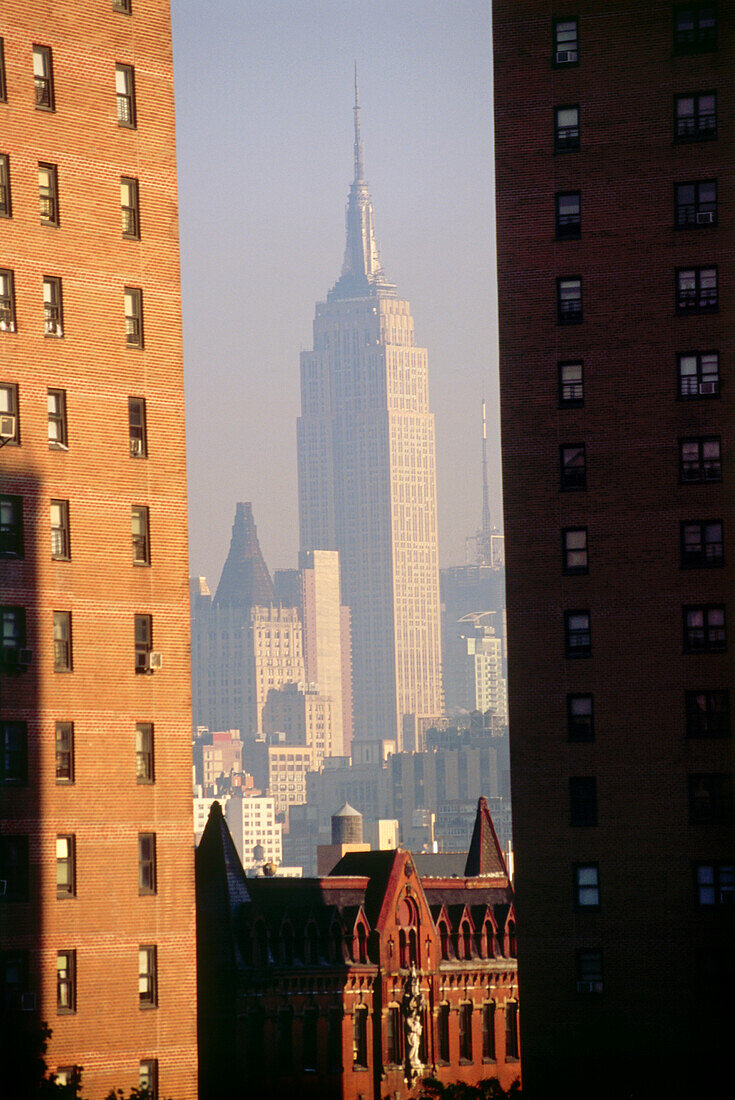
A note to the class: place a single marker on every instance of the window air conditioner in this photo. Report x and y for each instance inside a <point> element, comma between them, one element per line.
<point>705,217</point>
<point>707,387</point>
<point>565,56</point>
<point>7,426</point>
<point>155,661</point>
<point>25,656</point>
<point>136,447</point>
<point>589,987</point>
<point>28,1002</point>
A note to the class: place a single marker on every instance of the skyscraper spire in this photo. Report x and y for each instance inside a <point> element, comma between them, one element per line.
<point>359,166</point>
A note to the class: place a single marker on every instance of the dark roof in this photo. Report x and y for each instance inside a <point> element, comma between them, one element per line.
<point>485,856</point>
<point>245,580</point>
<point>376,866</point>
<point>440,864</point>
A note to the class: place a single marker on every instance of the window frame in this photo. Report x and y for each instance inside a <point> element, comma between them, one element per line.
<point>17,613</point>
<point>64,753</point>
<point>63,657</point>
<point>44,81</point>
<point>13,758</point>
<point>3,77</point>
<point>702,722</point>
<point>699,218</point>
<point>718,810</point>
<point>721,884</point>
<point>6,190</point>
<point>579,871</point>
<point>566,138</point>
<point>126,100</point>
<point>564,63</point>
<point>569,311</point>
<point>697,132</point>
<point>583,806</point>
<point>703,464</point>
<point>705,383</point>
<point>710,639</point>
<point>576,726</point>
<point>701,558</point>
<point>512,1047</point>
<point>148,976</point>
<point>66,866</point>
<point>577,400</point>
<point>137,432</point>
<point>568,552</point>
<point>66,987</point>
<point>148,1077</point>
<point>142,538</point>
<point>443,1034</point>
<point>14,867</point>
<point>123,7</point>
<point>143,640</point>
<point>489,1038</point>
<point>701,41</point>
<point>697,300</point>
<point>145,759</point>
<point>8,321</point>
<point>132,211</point>
<point>147,865</point>
<point>12,543</point>
<point>48,195</point>
<point>60,532</point>
<point>57,418</point>
<point>360,1051</point>
<point>589,975</point>
<point>573,477</point>
<point>53,307</point>
<point>465,1032</point>
<point>133,307</point>
<point>567,230</point>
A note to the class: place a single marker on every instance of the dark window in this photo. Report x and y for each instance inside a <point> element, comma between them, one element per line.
<point>64,752</point>
<point>53,315</point>
<point>465,1033</point>
<point>57,433</point>
<point>573,466</point>
<point>586,885</point>
<point>444,939</point>
<point>147,977</point>
<point>309,1044</point>
<point>707,713</point>
<point>62,641</point>
<point>60,545</point>
<point>699,374</point>
<point>588,970</point>
<point>141,544</point>
<point>701,544</point>
<point>14,867</point>
<point>3,85</point>
<point>511,1029</point>
<point>443,1032</point>
<point>66,879</point>
<point>566,41</point>
<point>360,1037</point>
<point>7,301</point>
<point>6,205</point>
<point>574,550</point>
<point>696,290</point>
<point>125,91</point>
<point>146,863</point>
<point>13,754</point>
<point>571,383</point>
<point>704,628</point>
<point>133,317</point>
<point>695,203</point>
<point>334,1039</point>
<point>66,982</point>
<point>566,129</point>
<point>137,427</point>
<point>148,1075</point>
<point>43,78</point>
<point>715,883</point>
<point>143,630</point>
<point>13,978</point>
<point>129,207</point>
<point>144,760</point>
<point>583,800</point>
<point>710,799</point>
<point>488,1031</point>
<point>695,28</point>
<point>11,527</point>
<point>699,459</point>
<point>568,215</point>
<point>126,8</point>
<point>577,634</point>
<point>568,301</point>
<point>695,116</point>
<point>393,1036</point>
<point>70,1076</point>
<point>48,194</point>
<point>12,631</point>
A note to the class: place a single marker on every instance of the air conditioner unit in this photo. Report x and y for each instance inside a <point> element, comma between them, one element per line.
<point>136,448</point>
<point>7,426</point>
<point>705,217</point>
<point>25,657</point>
<point>141,661</point>
<point>155,661</point>
<point>589,987</point>
<point>707,387</point>
<point>28,1002</point>
<point>563,57</point>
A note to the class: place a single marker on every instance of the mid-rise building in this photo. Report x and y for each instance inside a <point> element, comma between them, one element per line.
<point>257,835</point>
<point>97,899</point>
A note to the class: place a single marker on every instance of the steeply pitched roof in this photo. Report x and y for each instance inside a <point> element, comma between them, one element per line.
<point>245,580</point>
<point>221,890</point>
<point>485,856</point>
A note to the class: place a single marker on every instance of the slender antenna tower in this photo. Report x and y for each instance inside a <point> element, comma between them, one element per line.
<point>486,522</point>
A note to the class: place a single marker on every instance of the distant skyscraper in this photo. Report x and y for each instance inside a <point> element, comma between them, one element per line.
<point>367,478</point>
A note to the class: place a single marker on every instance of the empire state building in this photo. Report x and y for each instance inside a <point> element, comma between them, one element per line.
<point>367,481</point>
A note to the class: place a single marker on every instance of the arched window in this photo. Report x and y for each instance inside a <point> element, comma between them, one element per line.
<point>261,945</point>
<point>466,940</point>
<point>361,944</point>
<point>512,948</point>
<point>312,946</point>
<point>413,948</point>
<point>246,940</point>
<point>489,940</point>
<point>402,949</point>
<point>444,939</point>
<point>338,944</point>
<point>287,945</point>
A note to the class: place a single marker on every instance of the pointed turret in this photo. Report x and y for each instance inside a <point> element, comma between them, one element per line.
<point>485,856</point>
<point>362,273</point>
<point>245,580</point>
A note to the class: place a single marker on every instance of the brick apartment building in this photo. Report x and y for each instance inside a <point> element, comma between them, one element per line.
<point>305,985</point>
<point>615,160</point>
<point>97,894</point>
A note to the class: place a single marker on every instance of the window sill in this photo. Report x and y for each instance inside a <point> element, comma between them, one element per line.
<point>693,139</point>
<point>147,1007</point>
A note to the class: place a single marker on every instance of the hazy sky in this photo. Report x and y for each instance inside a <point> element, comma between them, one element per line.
<point>264,131</point>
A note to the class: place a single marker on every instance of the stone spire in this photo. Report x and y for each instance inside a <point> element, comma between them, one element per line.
<point>362,273</point>
<point>245,580</point>
<point>485,856</point>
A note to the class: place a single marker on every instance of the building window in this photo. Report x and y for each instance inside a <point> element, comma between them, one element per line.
<point>511,1029</point>
<point>571,384</point>
<point>695,116</point>
<point>573,466</point>
<point>7,301</point>
<point>574,550</point>
<point>125,7</point>
<point>707,713</point>
<point>715,883</point>
<point>12,631</point>
<point>14,754</point>
<point>699,374</point>
<point>64,752</point>
<point>577,634</point>
<point>3,85</point>
<point>6,205</point>
<point>334,1040</point>
<point>137,427</point>
<point>144,759</point>
<point>393,1036</point>
<point>569,301</point>
<point>696,290</point>
<point>60,545</point>
<point>443,1033</point>
<point>9,423</point>
<point>566,129</point>
<point>14,867</point>
<point>133,317</point>
<point>43,78</point>
<point>125,90</point>
<point>143,630</point>
<point>589,971</point>
<point>52,307</point>
<point>11,526</point>
<point>695,28</point>
<point>48,194</point>
<point>582,800</point>
<point>586,885</point>
<point>710,799</point>
<point>66,866</point>
<point>147,977</point>
<point>701,544</point>
<point>129,207</point>
<point>360,1037</point>
<point>704,628</point>
<point>56,404</point>
<point>62,641</point>
<point>695,203</point>
<point>566,41</point>
<point>488,1032</point>
<point>148,1071</point>
<point>568,215</point>
<point>465,1033</point>
<point>141,545</point>
<point>146,863</point>
<point>309,1044</point>
<point>66,982</point>
<point>700,460</point>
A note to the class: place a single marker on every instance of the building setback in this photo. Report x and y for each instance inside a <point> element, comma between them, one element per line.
<point>615,160</point>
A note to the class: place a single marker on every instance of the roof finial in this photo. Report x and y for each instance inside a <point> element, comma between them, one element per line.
<point>359,170</point>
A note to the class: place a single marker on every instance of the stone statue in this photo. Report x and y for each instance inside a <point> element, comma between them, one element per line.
<point>412,1007</point>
